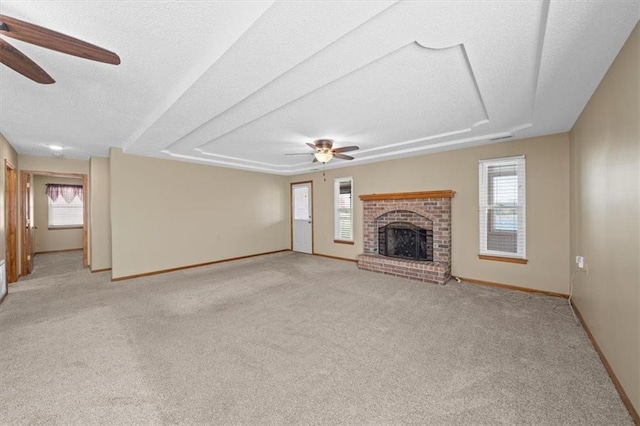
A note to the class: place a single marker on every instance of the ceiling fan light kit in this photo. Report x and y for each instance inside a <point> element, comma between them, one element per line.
<point>323,156</point>
<point>324,151</point>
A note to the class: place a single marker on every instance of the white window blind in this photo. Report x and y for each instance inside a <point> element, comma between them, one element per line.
<point>343,204</point>
<point>64,214</point>
<point>503,207</point>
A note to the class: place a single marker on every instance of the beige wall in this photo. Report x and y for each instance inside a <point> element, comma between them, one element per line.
<point>167,214</point>
<point>605,215</point>
<point>51,239</point>
<point>547,168</point>
<point>99,213</point>
<point>6,153</point>
<point>53,164</point>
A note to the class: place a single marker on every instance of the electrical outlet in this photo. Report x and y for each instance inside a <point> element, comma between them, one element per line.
<point>580,262</point>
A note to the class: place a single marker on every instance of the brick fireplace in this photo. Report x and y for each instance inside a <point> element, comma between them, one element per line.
<point>408,235</point>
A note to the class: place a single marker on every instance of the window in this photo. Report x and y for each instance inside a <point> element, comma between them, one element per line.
<point>343,203</point>
<point>65,206</point>
<point>502,207</point>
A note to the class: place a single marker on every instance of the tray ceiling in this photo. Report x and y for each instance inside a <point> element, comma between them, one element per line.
<point>241,84</point>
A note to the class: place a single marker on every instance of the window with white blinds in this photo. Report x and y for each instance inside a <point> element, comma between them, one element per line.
<point>343,205</point>
<point>502,207</point>
<point>64,214</point>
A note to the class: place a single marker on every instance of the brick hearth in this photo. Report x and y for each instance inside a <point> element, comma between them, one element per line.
<point>413,207</point>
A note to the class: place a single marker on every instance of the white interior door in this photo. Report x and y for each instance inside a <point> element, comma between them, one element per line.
<point>301,216</point>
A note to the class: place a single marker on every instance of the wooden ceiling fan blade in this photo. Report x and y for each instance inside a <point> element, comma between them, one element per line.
<point>315,160</point>
<point>346,149</point>
<point>312,146</point>
<point>53,40</point>
<point>17,61</point>
<point>343,156</point>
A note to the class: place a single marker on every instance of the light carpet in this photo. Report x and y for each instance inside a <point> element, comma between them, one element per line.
<point>290,339</point>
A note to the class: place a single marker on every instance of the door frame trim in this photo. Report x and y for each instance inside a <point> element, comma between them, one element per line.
<point>313,214</point>
<point>24,178</point>
<point>11,207</point>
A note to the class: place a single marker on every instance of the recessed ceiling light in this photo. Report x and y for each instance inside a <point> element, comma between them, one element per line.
<point>55,147</point>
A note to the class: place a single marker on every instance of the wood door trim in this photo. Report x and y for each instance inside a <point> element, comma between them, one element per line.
<point>313,214</point>
<point>55,174</point>
<point>11,221</point>
<point>24,177</point>
<point>85,223</point>
<point>24,174</point>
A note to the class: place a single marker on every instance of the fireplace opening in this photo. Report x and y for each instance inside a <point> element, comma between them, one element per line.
<point>406,241</point>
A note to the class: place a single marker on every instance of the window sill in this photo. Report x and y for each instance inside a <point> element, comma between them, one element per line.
<point>53,228</point>
<point>343,242</point>
<point>503,259</point>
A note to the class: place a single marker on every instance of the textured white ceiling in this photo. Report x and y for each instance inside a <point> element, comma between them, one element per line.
<point>240,84</point>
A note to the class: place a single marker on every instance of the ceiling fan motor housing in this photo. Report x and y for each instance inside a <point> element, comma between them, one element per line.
<point>324,144</point>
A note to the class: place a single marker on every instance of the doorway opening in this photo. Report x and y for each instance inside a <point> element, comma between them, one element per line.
<point>29,180</point>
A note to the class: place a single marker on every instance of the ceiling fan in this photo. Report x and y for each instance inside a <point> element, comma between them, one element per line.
<point>324,151</point>
<point>40,36</point>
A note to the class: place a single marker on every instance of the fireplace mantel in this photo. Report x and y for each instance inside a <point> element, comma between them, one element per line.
<point>416,208</point>
<point>408,195</point>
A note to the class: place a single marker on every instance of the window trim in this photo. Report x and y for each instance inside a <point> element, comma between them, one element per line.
<point>521,207</point>
<point>503,259</point>
<point>337,238</point>
<point>55,228</point>
<point>344,242</point>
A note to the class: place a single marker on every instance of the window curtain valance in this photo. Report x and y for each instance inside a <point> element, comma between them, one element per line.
<point>67,192</point>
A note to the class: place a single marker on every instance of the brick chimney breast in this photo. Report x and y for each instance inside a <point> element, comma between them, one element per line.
<point>426,210</point>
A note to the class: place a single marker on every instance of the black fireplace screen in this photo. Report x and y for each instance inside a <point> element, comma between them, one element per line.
<point>406,241</point>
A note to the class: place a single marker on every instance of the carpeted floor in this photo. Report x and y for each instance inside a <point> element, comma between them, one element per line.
<point>290,339</point>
